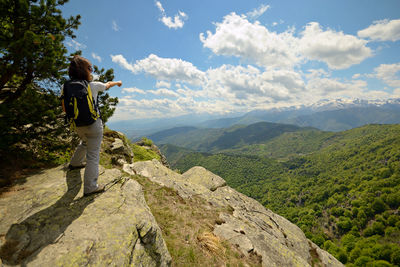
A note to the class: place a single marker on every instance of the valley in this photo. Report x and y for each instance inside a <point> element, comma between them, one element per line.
<point>341,188</point>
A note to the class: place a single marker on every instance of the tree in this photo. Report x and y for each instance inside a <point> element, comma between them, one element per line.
<point>106,103</point>
<point>33,60</point>
<point>32,34</point>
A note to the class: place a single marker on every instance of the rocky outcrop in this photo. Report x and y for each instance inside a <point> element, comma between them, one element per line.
<point>115,144</point>
<point>147,144</point>
<point>47,222</point>
<point>202,176</point>
<point>250,226</point>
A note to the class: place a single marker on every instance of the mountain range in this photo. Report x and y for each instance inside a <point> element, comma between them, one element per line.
<point>327,115</point>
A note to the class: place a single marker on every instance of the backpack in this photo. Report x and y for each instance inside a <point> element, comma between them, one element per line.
<point>78,103</point>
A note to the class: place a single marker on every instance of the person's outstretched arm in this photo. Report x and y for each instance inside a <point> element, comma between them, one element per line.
<point>111,84</point>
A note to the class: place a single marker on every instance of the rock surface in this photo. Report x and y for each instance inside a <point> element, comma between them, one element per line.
<point>47,222</point>
<point>202,176</point>
<point>115,143</point>
<point>251,227</point>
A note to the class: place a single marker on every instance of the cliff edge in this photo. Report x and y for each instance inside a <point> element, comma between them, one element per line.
<point>46,221</point>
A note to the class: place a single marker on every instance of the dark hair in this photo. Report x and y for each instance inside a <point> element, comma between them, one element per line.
<point>80,69</point>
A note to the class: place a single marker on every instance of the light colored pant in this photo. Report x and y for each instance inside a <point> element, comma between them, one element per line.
<point>89,147</point>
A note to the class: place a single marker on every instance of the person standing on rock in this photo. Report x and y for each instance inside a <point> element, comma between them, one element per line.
<point>80,72</point>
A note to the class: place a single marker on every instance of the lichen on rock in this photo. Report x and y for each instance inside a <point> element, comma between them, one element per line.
<point>49,223</point>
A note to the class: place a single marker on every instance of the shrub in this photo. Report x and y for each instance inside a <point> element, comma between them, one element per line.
<point>363,260</point>
<point>395,257</point>
<point>318,239</point>
<point>147,142</point>
<point>355,254</point>
<point>362,218</point>
<point>342,257</point>
<point>377,228</point>
<point>389,231</point>
<point>381,263</point>
<point>384,172</point>
<point>378,206</point>
<point>344,224</point>
<point>393,200</point>
<point>392,220</point>
<point>349,242</point>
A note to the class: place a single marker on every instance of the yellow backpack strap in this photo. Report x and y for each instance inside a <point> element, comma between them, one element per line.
<point>76,110</point>
<point>94,113</point>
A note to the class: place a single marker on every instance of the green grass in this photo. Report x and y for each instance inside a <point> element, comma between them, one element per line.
<point>187,226</point>
<point>143,153</point>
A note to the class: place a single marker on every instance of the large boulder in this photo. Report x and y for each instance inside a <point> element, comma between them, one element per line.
<point>249,226</point>
<point>157,172</point>
<point>200,175</point>
<point>47,222</point>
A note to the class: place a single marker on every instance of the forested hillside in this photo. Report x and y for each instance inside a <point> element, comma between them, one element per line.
<point>216,140</point>
<point>345,195</point>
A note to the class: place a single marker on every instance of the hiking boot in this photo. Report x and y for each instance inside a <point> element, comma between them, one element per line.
<point>99,189</point>
<point>70,167</point>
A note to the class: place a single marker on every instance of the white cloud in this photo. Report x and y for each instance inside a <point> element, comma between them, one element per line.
<point>382,30</point>
<point>159,92</point>
<point>316,73</point>
<point>163,84</point>
<point>76,45</point>
<point>97,57</point>
<point>121,61</point>
<point>164,92</point>
<point>330,88</point>
<point>133,90</point>
<point>238,37</point>
<point>249,82</point>
<point>115,26</point>
<point>258,11</point>
<point>176,22</point>
<point>389,74</point>
<point>164,68</point>
<point>336,49</point>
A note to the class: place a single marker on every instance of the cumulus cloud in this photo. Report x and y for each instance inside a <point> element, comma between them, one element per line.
<point>115,26</point>
<point>247,82</point>
<point>389,74</point>
<point>97,57</point>
<point>163,84</point>
<point>75,44</point>
<point>133,90</point>
<point>122,62</point>
<point>164,92</point>
<point>258,11</point>
<point>236,36</point>
<point>176,22</point>
<point>163,68</point>
<point>159,92</point>
<point>331,88</point>
<point>382,30</point>
<point>336,49</point>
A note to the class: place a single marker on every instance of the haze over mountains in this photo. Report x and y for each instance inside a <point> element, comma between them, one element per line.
<point>327,115</point>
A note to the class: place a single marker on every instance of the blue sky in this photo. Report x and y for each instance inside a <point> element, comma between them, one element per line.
<point>182,57</point>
